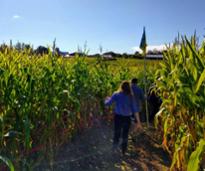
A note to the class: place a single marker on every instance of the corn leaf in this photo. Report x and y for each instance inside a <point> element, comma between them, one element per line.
<point>7,162</point>
<point>195,53</point>
<point>194,160</point>
<point>199,82</point>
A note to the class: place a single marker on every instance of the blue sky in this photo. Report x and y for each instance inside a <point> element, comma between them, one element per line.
<point>116,25</point>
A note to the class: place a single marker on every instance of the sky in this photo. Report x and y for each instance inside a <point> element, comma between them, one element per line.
<point>114,25</point>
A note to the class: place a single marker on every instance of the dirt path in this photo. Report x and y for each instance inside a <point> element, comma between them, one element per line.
<point>91,151</point>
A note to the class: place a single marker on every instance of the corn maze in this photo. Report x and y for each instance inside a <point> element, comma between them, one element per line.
<point>45,100</point>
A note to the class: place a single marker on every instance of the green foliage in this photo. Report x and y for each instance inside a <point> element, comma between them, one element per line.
<point>44,100</point>
<point>7,162</point>
<point>180,81</point>
<point>196,156</point>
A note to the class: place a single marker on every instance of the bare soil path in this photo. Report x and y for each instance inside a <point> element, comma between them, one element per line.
<point>91,151</point>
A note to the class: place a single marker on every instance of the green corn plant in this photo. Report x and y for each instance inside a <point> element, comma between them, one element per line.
<point>7,162</point>
<point>196,157</point>
<point>45,100</point>
<point>180,82</point>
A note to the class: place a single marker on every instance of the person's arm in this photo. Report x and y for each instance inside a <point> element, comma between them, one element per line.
<point>135,110</point>
<point>138,118</point>
<point>109,100</point>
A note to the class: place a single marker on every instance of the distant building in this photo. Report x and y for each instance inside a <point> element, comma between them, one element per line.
<point>76,54</point>
<point>156,56</point>
<point>110,55</point>
<point>64,54</point>
<point>41,50</point>
<point>107,56</point>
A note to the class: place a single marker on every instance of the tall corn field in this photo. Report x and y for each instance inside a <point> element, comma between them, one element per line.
<point>180,82</point>
<point>45,100</point>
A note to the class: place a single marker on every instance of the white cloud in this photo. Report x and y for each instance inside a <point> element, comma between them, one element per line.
<point>151,47</point>
<point>16,16</point>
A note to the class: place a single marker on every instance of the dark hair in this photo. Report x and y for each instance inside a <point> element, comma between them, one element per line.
<point>125,87</point>
<point>134,81</point>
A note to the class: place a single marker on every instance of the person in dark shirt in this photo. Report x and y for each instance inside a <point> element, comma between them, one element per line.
<point>154,103</point>
<point>138,94</point>
<point>125,106</point>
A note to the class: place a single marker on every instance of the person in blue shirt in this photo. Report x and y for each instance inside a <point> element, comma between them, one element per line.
<point>125,106</point>
<point>138,94</point>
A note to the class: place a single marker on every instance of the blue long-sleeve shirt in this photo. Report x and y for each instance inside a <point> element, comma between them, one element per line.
<point>138,94</point>
<point>125,105</point>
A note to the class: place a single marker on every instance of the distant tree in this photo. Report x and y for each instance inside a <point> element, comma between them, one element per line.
<point>27,47</point>
<point>22,46</point>
<point>125,55</point>
<point>137,54</point>
<point>3,47</point>
<point>18,46</point>
<point>41,50</point>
